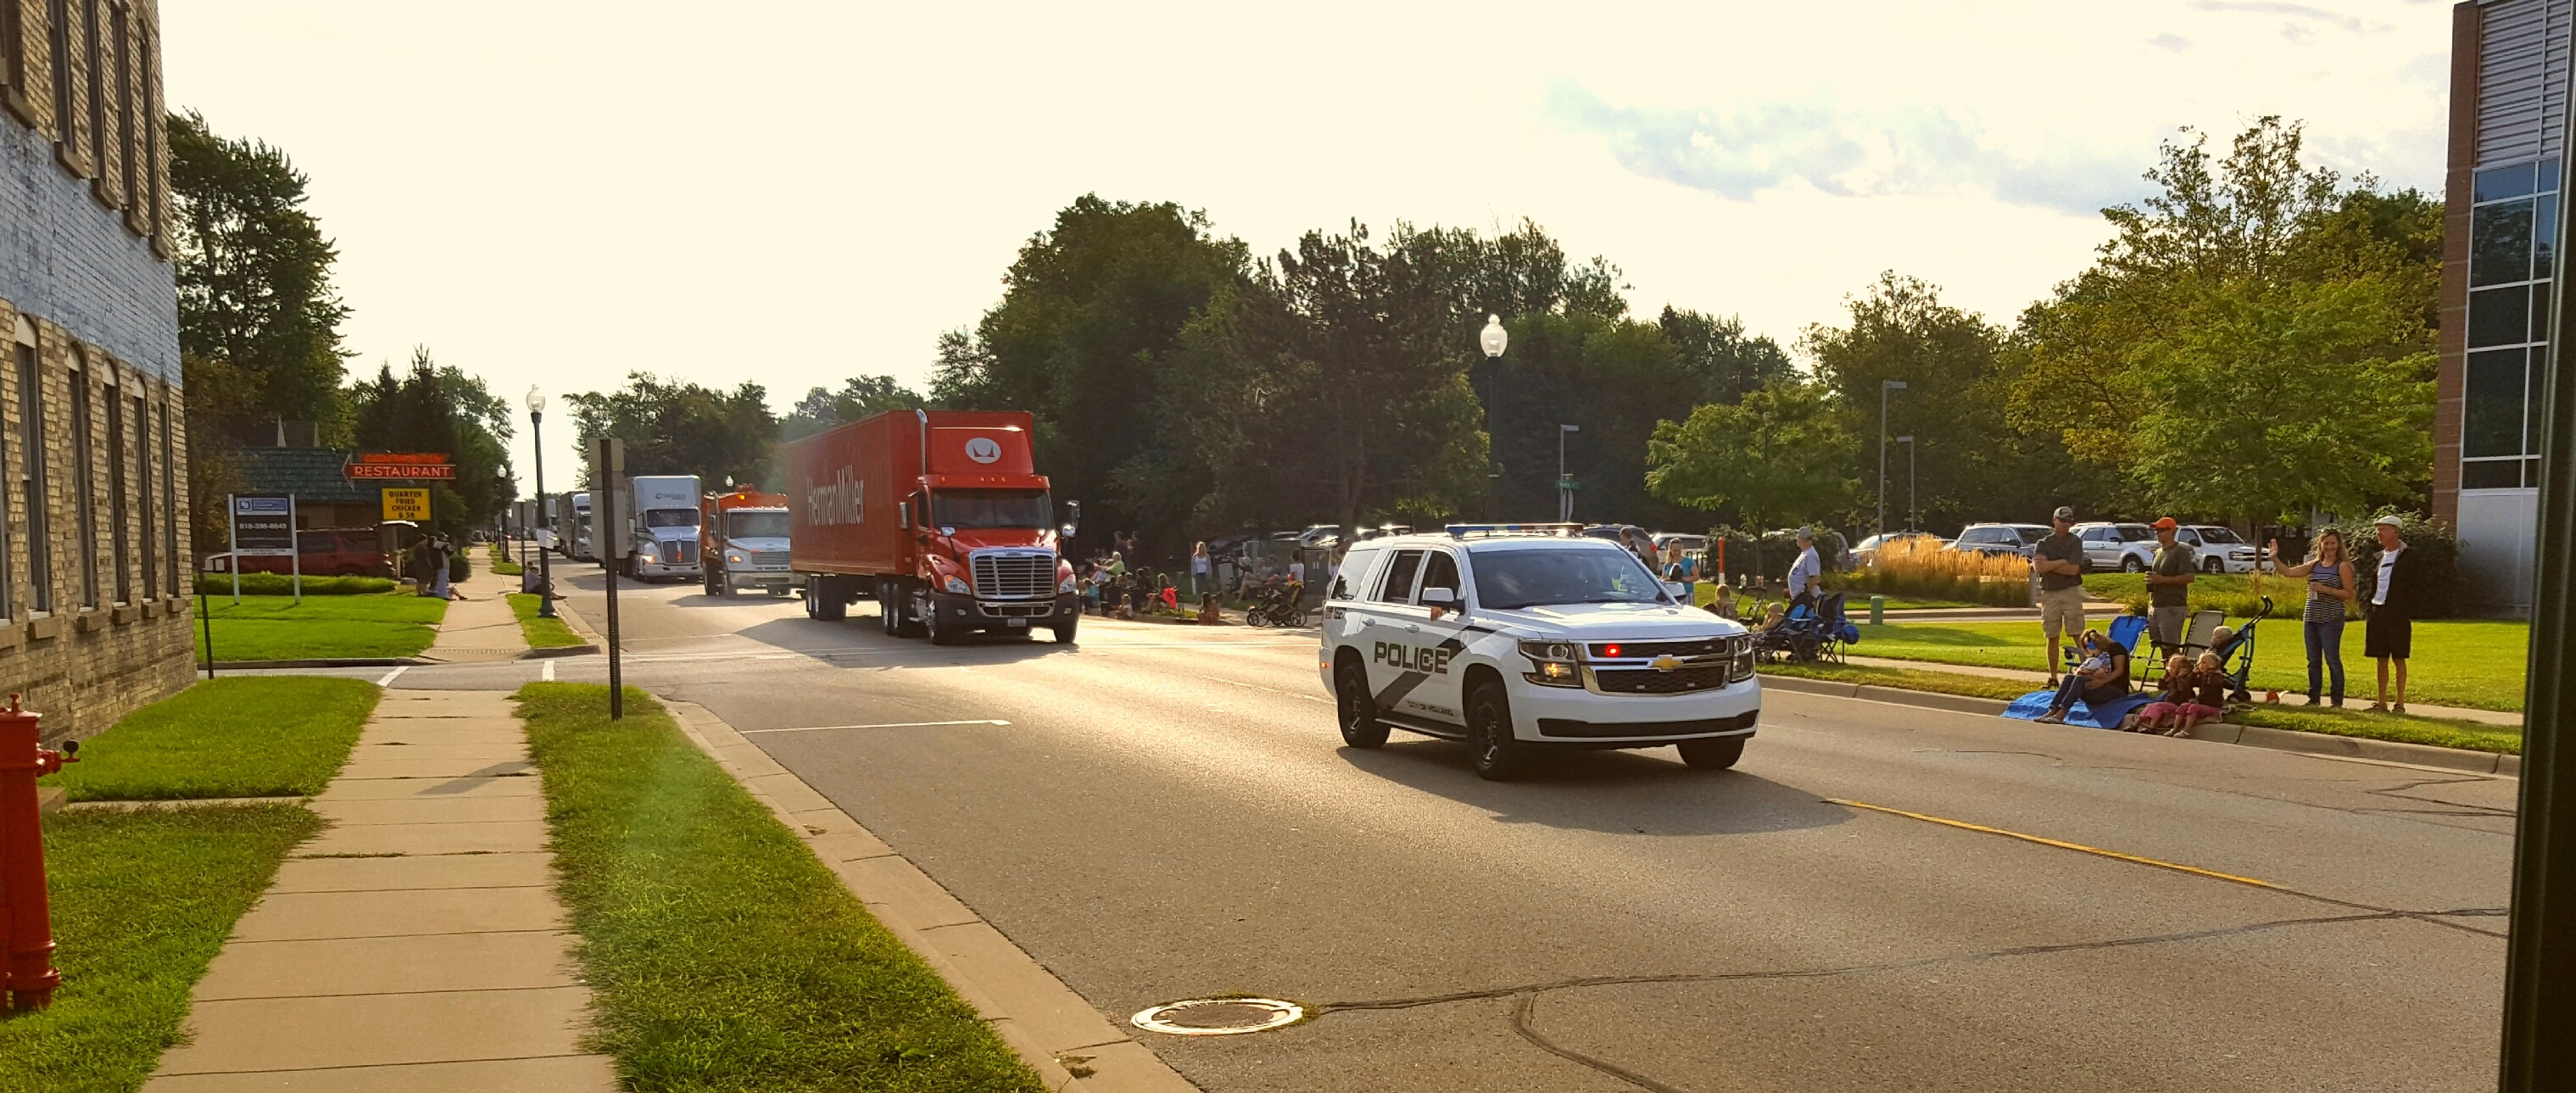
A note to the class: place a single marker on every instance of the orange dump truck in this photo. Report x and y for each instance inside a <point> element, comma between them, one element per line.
<point>939,515</point>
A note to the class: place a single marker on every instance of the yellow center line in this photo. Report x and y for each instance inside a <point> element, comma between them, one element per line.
<point>1964,825</point>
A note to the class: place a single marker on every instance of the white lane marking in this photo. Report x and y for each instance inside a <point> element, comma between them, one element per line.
<point>391,676</point>
<point>547,673</point>
<point>889,725</point>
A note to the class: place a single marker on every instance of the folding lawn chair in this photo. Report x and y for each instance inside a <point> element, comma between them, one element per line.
<point>2198,633</point>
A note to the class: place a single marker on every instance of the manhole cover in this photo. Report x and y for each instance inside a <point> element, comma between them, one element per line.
<point>1219,1016</point>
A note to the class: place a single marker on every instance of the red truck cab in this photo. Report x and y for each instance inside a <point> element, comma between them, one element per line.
<point>939,515</point>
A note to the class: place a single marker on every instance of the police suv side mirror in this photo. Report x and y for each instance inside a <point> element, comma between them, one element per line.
<point>1439,597</point>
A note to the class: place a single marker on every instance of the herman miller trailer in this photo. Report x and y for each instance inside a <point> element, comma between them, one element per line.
<point>940,515</point>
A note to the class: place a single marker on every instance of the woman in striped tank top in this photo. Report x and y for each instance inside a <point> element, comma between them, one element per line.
<point>2330,588</point>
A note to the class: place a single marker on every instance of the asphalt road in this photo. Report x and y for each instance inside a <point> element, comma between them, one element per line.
<point>1168,813</point>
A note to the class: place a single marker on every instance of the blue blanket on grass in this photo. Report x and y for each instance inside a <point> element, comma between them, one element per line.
<point>2107,715</point>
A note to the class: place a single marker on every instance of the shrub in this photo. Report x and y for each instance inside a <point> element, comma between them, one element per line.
<point>2438,547</point>
<point>280,584</point>
<point>1925,569</point>
<point>2241,596</point>
<point>459,567</point>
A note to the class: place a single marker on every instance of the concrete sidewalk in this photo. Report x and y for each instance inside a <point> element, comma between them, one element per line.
<point>2038,680</point>
<point>479,629</point>
<point>416,944</point>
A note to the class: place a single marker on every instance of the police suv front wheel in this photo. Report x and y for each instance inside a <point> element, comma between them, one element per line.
<point>1360,726</point>
<point>1491,748</point>
<point>1715,754</point>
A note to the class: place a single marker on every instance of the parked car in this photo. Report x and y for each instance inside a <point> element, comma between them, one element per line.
<point>1865,553</point>
<point>1674,540</point>
<point>2016,539</point>
<point>2129,548</point>
<point>326,552</point>
<point>2221,549</point>
<point>1638,540</point>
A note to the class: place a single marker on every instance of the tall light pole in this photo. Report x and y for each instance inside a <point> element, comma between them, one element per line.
<point>537,437</point>
<point>1493,339</point>
<point>1911,512</point>
<point>1564,485</point>
<point>1884,386</point>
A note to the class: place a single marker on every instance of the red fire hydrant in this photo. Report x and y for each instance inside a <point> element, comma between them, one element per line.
<point>26,917</point>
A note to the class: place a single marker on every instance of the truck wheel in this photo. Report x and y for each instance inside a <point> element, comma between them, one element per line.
<point>823,599</point>
<point>907,617</point>
<point>1717,754</point>
<point>1065,625</point>
<point>940,633</point>
<point>1358,708</point>
<point>724,585</point>
<point>1491,749</point>
<point>889,606</point>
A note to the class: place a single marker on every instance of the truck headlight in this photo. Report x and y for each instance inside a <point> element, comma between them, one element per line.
<point>1552,664</point>
<point>958,586</point>
<point>734,558</point>
<point>1065,585</point>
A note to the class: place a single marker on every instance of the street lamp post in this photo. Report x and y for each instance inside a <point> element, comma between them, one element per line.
<point>1884,386</point>
<point>1564,487</point>
<point>1912,513</point>
<point>537,438</point>
<point>1493,339</point>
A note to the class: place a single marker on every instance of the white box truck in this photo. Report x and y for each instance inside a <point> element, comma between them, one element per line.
<point>662,527</point>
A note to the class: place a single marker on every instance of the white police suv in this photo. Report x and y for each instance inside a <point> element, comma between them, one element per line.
<point>1521,638</point>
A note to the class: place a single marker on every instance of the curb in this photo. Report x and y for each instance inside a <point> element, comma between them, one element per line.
<point>558,651</point>
<point>2224,732</point>
<point>1052,1028</point>
<point>322,662</point>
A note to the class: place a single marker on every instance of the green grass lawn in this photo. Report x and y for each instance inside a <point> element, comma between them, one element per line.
<point>245,736</point>
<point>141,902</point>
<point>2477,664</point>
<point>277,628</point>
<point>2439,732</point>
<point>281,584</point>
<point>723,955</point>
<point>542,633</point>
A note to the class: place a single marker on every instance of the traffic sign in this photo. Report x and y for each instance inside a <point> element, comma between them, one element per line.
<point>407,504</point>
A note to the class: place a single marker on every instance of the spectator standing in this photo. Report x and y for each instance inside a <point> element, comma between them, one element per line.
<point>1804,572</point>
<point>2330,590</point>
<point>1296,569</point>
<point>1200,569</point>
<point>2169,584</point>
<point>2388,632</point>
<point>2059,561</point>
<point>439,552</point>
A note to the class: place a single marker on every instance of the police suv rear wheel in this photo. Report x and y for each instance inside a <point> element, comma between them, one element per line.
<point>1717,754</point>
<point>1491,748</point>
<point>1360,726</point>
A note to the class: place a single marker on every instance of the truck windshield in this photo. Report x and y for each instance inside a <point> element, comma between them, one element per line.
<point>1507,579</point>
<point>990,509</point>
<point>766,524</point>
<point>670,518</point>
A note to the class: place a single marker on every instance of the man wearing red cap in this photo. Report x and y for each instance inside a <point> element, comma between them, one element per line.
<point>2169,585</point>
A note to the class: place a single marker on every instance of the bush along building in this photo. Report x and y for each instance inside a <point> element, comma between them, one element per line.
<point>94,616</point>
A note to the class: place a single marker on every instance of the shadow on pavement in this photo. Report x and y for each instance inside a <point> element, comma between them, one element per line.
<point>859,634</point>
<point>1618,792</point>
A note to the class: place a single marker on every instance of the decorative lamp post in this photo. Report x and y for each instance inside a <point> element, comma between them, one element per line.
<point>537,438</point>
<point>1493,339</point>
<point>1884,386</point>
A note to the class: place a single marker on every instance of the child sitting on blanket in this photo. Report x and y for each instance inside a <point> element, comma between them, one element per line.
<point>2181,684</point>
<point>2209,694</point>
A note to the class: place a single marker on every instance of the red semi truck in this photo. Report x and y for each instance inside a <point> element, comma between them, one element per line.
<point>939,515</point>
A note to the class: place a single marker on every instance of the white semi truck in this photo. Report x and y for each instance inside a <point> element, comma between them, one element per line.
<point>662,527</point>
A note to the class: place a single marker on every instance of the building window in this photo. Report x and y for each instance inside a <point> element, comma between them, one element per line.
<point>2512,223</point>
<point>120,552</point>
<point>13,46</point>
<point>84,506</point>
<point>58,26</point>
<point>31,480</point>
<point>102,139</point>
<point>129,133</point>
<point>169,501</point>
<point>143,507</point>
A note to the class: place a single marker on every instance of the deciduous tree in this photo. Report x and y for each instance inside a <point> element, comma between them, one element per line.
<point>1781,456</point>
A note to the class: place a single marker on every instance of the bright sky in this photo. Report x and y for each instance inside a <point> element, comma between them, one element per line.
<point>557,193</point>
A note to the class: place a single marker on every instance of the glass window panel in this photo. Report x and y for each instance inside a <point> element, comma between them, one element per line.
<point>2500,243</point>
<point>2548,176</point>
<point>2499,316</point>
<point>2492,405</point>
<point>2544,235</point>
<point>2490,474</point>
<point>2541,297</point>
<point>2534,405</point>
<point>2498,183</point>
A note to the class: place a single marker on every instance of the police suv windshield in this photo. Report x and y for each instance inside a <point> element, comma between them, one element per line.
<point>756,525</point>
<point>990,509</point>
<point>1507,579</point>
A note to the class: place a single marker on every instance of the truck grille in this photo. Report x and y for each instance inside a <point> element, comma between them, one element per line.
<point>1014,576</point>
<point>768,559</point>
<point>1648,681</point>
<point>681,552</point>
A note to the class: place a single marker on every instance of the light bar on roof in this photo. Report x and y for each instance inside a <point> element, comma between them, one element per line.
<point>1461,531</point>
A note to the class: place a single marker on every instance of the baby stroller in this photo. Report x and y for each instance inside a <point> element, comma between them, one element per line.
<point>1278,604</point>
<point>2236,656</point>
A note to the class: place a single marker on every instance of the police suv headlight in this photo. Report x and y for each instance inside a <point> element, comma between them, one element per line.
<point>958,586</point>
<point>1552,664</point>
<point>1740,661</point>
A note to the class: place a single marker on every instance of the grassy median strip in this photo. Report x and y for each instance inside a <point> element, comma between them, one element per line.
<point>2401,728</point>
<point>542,633</point>
<point>277,628</point>
<point>141,902</point>
<point>248,736</point>
<point>723,954</point>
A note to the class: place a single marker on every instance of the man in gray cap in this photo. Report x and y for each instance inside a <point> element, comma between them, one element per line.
<point>2059,562</point>
<point>1804,572</point>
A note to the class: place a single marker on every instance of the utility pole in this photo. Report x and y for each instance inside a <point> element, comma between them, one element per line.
<point>1884,386</point>
<point>1912,512</point>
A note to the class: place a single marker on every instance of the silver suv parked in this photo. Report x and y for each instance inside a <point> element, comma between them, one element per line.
<point>2129,548</point>
<point>2017,539</point>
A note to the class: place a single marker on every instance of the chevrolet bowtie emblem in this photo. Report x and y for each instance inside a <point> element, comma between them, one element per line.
<point>1665,663</point>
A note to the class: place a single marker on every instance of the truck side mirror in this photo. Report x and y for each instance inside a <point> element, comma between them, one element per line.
<point>903,514</point>
<point>1066,531</point>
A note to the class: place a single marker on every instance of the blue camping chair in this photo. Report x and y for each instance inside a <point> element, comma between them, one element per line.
<point>2127,632</point>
